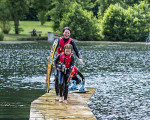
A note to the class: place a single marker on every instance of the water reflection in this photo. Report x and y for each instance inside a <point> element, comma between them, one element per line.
<point>120,71</point>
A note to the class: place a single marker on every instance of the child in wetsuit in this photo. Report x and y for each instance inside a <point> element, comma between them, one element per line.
<point>66,59</point>
<point>76,78</point>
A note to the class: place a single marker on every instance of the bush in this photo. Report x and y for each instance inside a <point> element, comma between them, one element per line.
<point>4,18</point>
<point>130,25</point>
<point>113,23</point>
<point>42,17</point>
<point>82,23</point>
<point>1,36</point>
<point>140,24</point>
<point>5,27</point>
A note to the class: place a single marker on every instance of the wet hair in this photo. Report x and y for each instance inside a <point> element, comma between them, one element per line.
<point>66,28</point>
<point>68,46</point>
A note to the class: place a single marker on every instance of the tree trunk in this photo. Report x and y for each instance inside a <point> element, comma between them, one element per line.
<point>16,24</point>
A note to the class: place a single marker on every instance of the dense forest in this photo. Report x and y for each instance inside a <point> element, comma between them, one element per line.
<point>113,20</point>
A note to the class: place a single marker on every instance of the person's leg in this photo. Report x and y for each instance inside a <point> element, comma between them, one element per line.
<point>65,90</point>
<point>61,84</point>
<point>56,84</point>
<point>66,86</point>
<point>77,79</point>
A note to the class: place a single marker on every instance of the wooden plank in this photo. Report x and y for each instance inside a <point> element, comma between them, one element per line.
<point>46,108</point>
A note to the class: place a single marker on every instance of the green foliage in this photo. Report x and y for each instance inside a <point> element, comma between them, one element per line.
<point>86,4</point>
<point>20,30</point>
<point>119,24</point>
<point>61,8</point>
<point>31,15</point>
<point>58,8</point>
<point>140,21</point>
<point>17,9</point>
<point>113,23</point>
<point>83,23</point>
<point>40,5</point>
<point>127,20</point>
<point>42,17</point>
<point>103,5</point>
<point>41,8</point>
<point>4,18</point>
<point>1,36</point>
<point>5,27</point>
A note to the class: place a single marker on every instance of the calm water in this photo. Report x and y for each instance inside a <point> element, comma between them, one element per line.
<point>119,71</point>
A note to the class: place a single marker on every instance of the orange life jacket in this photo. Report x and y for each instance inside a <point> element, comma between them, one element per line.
<point>60,49</point>
<point>74,71</point>
<point>65,59</point>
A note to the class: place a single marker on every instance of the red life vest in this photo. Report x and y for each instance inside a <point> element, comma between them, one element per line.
<point>74,71</point>
<point>60,49</point>
<point>65,59</point>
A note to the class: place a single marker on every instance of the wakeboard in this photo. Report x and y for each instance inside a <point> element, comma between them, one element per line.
<point>77,91</point>
<point>50,63</point>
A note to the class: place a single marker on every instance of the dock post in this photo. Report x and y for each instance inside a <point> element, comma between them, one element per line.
<point>50,36</point>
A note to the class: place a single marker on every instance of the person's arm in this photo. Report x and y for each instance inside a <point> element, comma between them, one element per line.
<point>77,52</point>
<point>76,49</point>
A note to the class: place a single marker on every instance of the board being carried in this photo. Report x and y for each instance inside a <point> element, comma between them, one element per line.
<point>50,63</point>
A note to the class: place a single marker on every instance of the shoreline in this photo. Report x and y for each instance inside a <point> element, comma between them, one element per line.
<point>33,41</point>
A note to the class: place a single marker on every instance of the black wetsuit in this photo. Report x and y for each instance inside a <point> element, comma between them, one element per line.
<point>61,85</point>
<point>77,79</point>
<point>74,47</point>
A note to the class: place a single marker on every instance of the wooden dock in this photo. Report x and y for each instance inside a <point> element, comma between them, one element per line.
<point>46,108</point>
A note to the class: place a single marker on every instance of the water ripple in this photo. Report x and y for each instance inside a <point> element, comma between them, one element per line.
<point>120,72</point>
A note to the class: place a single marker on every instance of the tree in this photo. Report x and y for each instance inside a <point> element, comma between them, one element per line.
<point>140,20</point>
<point>83,23</point>
<point>86,4</point>
<point>4,17</point>
<point>119,24</point>
<point>17,9</point>
<point>58,8</point>
<point>42,7</point>
<point>103,5</point>
<point>113,24</point>
<point>61,8</point>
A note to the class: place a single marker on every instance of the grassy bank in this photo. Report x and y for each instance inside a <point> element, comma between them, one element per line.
<point>28,26</point>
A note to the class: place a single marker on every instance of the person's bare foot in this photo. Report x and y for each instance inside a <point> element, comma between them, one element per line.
<point>65,101</point>
<point>60,99</point>
<point>57,98</point>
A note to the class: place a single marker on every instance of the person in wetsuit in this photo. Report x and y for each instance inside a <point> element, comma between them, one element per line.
<point>67,40</point>
<point>60,48</point>
<point>76,75</point>
<point>66,59</point>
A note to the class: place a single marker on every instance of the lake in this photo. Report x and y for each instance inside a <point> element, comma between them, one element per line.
<point>119,71</point>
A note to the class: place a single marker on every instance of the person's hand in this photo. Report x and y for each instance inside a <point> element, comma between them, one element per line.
<point>48,57</point>
<point>80,61</point>
<point>58,69</point>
